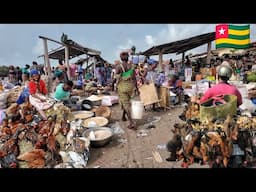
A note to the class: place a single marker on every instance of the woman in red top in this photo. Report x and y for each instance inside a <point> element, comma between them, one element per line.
<point>37,90</point>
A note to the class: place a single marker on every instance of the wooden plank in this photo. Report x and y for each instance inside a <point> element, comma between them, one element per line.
<point>148,94</point>
<point>164,95</point>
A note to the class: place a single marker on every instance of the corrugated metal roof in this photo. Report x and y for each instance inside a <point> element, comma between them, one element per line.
<point>75,50</point>
<point>181,45</point>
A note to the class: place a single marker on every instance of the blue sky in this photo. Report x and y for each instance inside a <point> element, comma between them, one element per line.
<point>20,45</point>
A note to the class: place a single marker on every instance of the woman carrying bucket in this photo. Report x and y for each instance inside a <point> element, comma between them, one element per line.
<point>125,87</point>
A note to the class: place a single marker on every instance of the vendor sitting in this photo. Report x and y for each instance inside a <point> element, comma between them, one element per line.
<point>176,85</point>
<point>63,91</point>
<point>38,91</point>
<point>80,81</point>
<point>57,79</point>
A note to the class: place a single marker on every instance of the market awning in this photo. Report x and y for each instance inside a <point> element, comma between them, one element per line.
<point>181,45</point>
<point>75,50</point>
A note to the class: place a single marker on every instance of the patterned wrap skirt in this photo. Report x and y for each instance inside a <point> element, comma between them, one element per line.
<point>125,92</point>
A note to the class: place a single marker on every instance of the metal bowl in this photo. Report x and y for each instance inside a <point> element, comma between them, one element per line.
<point>95,122</point>
<point>99,142</point>
<point>87,105</point>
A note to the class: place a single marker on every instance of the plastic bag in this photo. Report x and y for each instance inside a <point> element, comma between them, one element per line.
<point>117,128</point>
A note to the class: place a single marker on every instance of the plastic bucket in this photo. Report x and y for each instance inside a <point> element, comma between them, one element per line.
<point>137,109</point>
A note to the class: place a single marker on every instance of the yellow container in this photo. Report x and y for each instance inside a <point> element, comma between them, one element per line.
<point>210,78</point>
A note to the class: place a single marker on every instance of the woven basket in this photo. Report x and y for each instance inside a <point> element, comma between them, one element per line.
<point>102,111</point>
<point>219,111</point>
<point>82,114</point>
<point>95,122</point>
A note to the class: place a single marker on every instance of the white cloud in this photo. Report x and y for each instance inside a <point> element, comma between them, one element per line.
<point>175,32</point>
<point>149,40</point>
<point>38,49</point>
<point>123,47</point>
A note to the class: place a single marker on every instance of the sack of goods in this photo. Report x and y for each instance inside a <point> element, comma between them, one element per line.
<point>218,107</point>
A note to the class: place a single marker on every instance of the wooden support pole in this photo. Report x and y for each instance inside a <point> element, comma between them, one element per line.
<point>160,59</point>
<point>208,59</point>
<point>182,61</point>
<point>183,58</point>
<point>87,63</point>
<point>67,61</point>
<point>47,64</point>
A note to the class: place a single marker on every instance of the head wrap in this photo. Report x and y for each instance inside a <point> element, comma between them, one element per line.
<point>124,55</point>
<point>151,61</point>
<point>57,73</point>
<point>34,72</point>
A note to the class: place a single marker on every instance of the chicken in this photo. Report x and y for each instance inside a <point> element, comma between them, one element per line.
<point>9,161</point>
<point>65,127</point>
<point>35,158</point>
<point>51,143</point>
<point>41,143</point>
<point>11,146</point>
<point>28,118</point>
<point>191,144</point>
<point>31,135</point>
<point>204,151</point>
<point>6,131</point>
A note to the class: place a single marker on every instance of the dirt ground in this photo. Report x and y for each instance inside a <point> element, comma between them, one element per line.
<point>140,148</point>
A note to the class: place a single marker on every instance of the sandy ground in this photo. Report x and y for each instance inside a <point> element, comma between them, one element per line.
<point>135,149</point>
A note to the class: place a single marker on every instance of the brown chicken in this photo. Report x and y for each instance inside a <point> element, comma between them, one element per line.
<point>28,118</point>
<point>35,158</point>
<point>6,131</point>
<point>41,143</point>
<point>31,135</point>
<point>11,146</point>
<point>64,127</point>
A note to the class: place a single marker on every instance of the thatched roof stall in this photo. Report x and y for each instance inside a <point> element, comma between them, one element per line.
<point>181,46</point>
<point>68,50</point>
<point>73,52</point>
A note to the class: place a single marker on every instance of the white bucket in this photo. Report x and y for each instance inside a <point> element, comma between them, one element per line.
<point>137,109</point>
